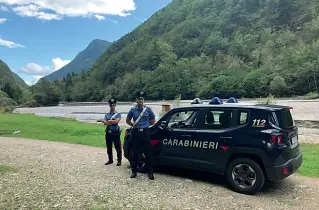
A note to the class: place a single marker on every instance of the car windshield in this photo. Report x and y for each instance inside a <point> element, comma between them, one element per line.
<point>284,119</point>
<point>183,116</point>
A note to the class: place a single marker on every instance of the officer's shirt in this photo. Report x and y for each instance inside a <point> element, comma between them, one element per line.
<point>108,116</point>
<point>144,122</point>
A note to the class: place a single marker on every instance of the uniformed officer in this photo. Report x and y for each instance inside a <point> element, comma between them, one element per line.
<point>113,132</point>
<point>143,117</point>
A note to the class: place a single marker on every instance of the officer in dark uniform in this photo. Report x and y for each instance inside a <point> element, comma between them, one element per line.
<point>113,132</point>
<point>141,133</point>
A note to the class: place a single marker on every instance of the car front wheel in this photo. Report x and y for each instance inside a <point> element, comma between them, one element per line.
<point>245,176</point>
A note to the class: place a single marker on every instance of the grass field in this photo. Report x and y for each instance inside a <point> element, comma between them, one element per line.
<point>310,164</point>
<point>70,131</point>
<point>54,129</point>
<point>5,169</point>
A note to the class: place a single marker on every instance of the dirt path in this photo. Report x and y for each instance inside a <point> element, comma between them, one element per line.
<point>64,176</point>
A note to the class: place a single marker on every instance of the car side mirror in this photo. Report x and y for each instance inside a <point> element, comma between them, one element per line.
<point>162,126</point>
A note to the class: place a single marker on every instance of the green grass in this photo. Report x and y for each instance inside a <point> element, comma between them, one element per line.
<point>54,129</point>
<point>6,169</point>
<point>70,131</point>
<point>310,164</point>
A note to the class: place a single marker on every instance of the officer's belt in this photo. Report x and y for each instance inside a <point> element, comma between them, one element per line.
<point>109,131</point>
<point>140,129</point>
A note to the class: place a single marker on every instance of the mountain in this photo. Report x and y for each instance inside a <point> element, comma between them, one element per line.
<point>207,48</point>
<point>83,61</point>
<point>12,84</point>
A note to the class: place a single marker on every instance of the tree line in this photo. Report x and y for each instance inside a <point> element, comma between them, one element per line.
<point>207,48</point>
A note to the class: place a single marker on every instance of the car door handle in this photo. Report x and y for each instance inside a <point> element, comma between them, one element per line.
<point>226,137</point>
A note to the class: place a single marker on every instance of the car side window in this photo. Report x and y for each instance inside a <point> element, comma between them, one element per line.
<point>243,117</point>
<point>215,119</point>
<point>182,119</point>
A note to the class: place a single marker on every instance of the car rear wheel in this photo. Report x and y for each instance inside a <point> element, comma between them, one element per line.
<point>141,162</point>
<point>245,176</point>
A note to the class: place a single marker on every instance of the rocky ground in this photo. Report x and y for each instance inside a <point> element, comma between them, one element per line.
<point>51,175</point>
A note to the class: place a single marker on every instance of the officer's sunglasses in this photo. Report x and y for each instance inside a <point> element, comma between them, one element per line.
<point>141,98</point>
<point>112,105</point>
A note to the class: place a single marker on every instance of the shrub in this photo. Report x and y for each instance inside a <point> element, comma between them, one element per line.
<point>313,95</point>
<point>31,103</point>
<point>6,109</point>
<point>278,86</point>
<point>269,100</point>
<point>7,102</point>
<point>3,94</point>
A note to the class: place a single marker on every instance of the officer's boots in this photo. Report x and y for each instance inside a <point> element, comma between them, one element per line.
<point>109,162</point>
<point>150,175</point>
<point>133,175</point>
<point>118,163</point>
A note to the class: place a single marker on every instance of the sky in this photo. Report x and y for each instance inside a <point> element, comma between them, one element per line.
<point>38,37</point>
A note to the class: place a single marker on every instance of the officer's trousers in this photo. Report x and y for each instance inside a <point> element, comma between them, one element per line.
<point>141,142</point>
<point>111,138</point>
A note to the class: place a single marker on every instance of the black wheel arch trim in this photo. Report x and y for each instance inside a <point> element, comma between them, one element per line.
<point>231,153</point>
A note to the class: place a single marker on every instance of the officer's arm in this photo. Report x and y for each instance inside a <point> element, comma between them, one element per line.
<point>152,117</point>
<point>152,121</point>
<point>128,121</point>
<point>129,118</point>
<point>105,122</point>
<point>116,121</point>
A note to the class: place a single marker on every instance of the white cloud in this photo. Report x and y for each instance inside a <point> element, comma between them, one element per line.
<point>28,83</point>
<point>142,20</point>
<point>33,82</point>
<point>99,17</point>
<point>32,10</point>
<point>57,9</point>
<point>2,20</point>
<point>9,43</point>
<point>113,21</point>
<point>4,9</point>
<point>40,71</point>
<point>59,63</point>
<point>38,77</point>
<point>35,69</point>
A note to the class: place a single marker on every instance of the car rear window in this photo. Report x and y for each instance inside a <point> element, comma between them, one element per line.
<point>284,118</point>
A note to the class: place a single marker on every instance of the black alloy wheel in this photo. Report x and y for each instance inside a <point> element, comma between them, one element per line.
<point>245,176</point>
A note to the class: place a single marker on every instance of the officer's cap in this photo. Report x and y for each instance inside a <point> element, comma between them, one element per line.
<point>112,101</point>
<point>140,95</point>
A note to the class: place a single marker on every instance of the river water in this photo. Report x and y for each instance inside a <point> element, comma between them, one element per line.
<point>91,112</point>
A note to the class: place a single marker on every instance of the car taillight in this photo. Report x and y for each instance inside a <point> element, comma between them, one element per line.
<point>274,139</point>
<point>277,139</point>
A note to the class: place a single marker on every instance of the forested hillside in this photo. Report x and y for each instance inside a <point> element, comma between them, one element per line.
<point>206,48</point>
<point>11,85</point>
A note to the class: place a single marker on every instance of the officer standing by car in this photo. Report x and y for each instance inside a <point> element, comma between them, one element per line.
<point>143,117</point>
<point>113,132</point>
